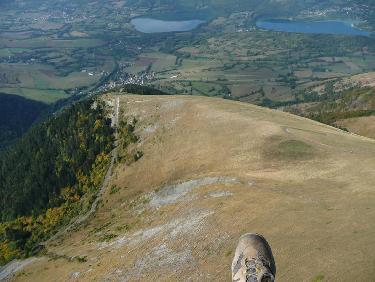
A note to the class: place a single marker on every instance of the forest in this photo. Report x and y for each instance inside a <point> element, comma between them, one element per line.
<point>52,174</point>
<point>141,90</point>
<point>352,103</point>
<point>16,116</point>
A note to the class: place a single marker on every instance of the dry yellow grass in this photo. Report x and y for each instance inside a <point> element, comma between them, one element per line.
<point>309,188</point>
<point>364,126</point>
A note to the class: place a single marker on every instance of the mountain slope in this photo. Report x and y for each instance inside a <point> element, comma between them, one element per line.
<point>51,175</point>
<point>352,109</point>
<point>212,170</point>
<point>16,116</point>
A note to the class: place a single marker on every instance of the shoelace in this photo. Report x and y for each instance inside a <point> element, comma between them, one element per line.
<point>255,267</point>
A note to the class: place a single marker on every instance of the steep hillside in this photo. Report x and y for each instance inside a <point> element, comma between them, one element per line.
<point>16,116</point>
<point>364,125</point>
<point>51,175</point>
<point>212,170</point>
<point>352,109</point>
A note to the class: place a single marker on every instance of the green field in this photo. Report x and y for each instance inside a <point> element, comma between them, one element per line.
<point>46,96</point>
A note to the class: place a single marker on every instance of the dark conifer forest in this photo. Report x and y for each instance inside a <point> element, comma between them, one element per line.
<point>44,175</point>
<point>16,116</point>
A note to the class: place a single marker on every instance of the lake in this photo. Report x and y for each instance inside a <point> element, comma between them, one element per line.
<point>322,27</point>
<point>149,25</point>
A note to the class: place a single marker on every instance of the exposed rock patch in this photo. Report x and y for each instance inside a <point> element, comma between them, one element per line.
<point>184,225</point>
<point>171,194</point>
<point>219,194</point>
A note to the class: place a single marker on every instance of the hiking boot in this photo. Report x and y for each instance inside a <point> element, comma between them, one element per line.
<point>253,260</point>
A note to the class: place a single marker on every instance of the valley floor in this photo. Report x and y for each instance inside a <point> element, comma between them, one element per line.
<point>211,170</point>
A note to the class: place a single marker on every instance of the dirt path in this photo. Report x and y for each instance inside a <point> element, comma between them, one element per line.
<point>8,270</point>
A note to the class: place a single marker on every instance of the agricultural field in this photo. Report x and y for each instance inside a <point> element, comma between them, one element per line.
<point>243,62</point>
<point>77,47</point>
<point>256,65</point>
<point>51,51</point>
